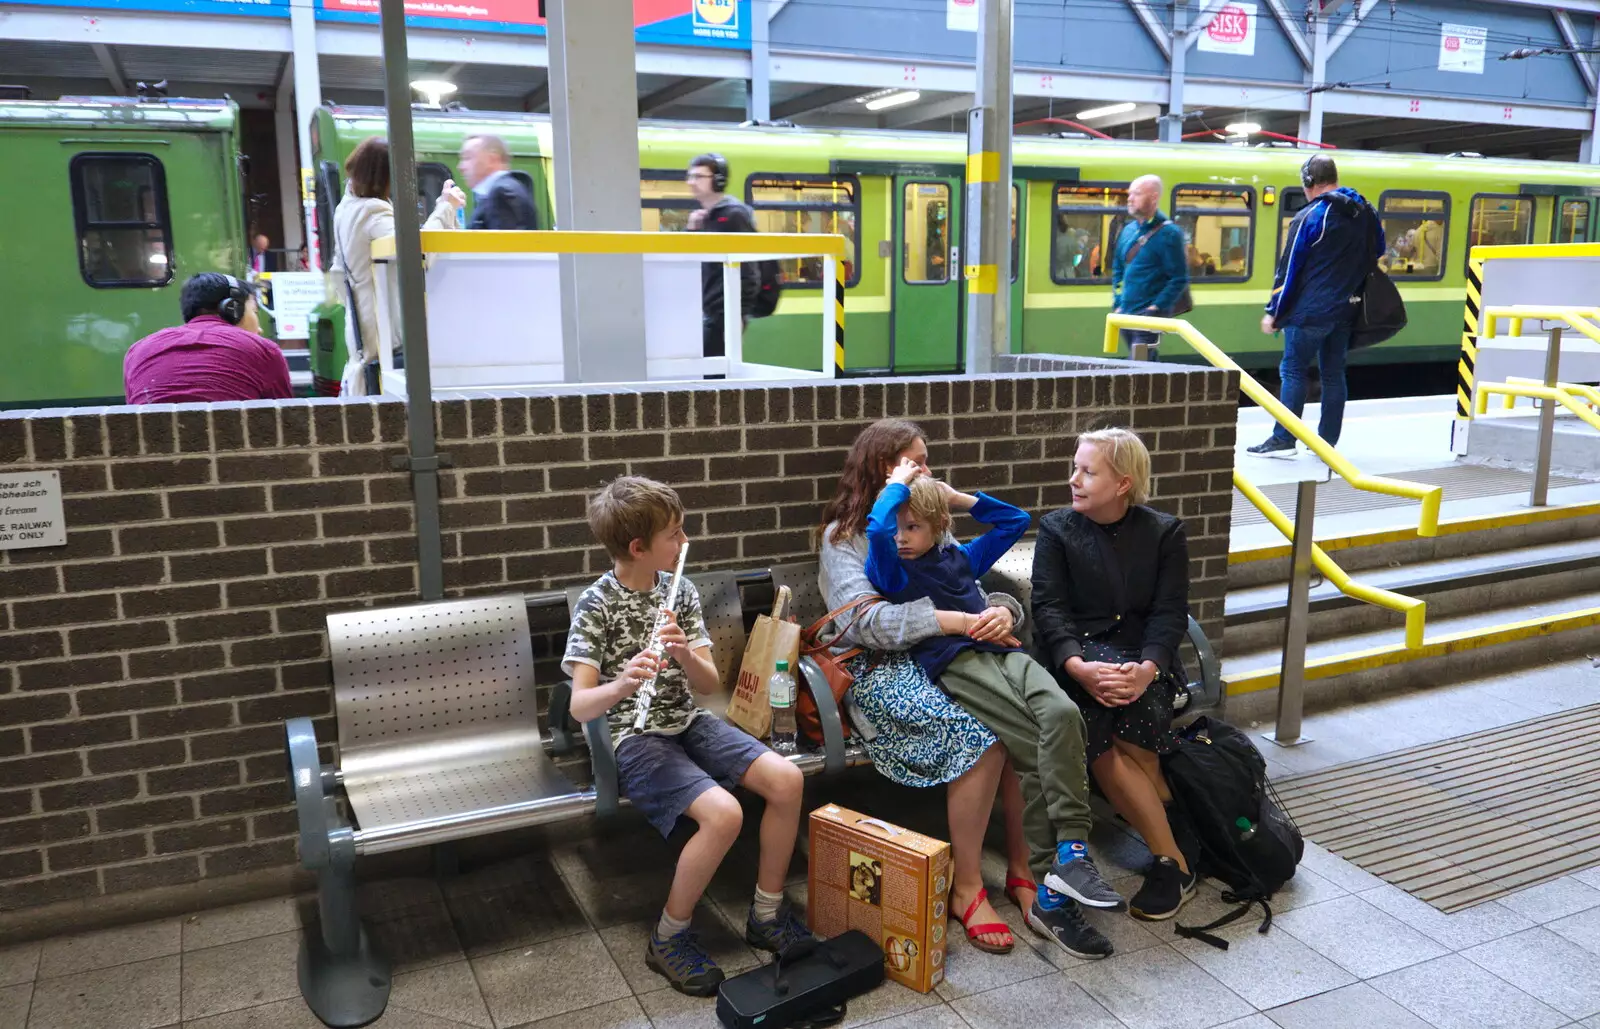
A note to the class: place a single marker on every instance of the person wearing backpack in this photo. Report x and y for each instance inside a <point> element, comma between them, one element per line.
<point>1149,264</point>
<point>708,181</point>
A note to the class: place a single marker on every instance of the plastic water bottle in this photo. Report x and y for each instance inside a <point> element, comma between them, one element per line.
<point>1247,829</point>
<point>781,689</point>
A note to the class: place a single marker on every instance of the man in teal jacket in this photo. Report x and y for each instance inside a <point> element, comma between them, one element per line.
<point>1149,270</point>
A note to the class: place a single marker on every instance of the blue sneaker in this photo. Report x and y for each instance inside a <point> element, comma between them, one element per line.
<point>1075,875</point>
<point>684,963</point>
<point>782,930</point>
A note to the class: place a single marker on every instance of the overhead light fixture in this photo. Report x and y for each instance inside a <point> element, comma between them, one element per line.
<point>433,90</point>
<point>905,96</point>
<point>1243,128</point>
<point>1109,109</point>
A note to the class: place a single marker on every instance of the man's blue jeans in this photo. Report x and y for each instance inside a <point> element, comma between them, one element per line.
<point>1327,345</point>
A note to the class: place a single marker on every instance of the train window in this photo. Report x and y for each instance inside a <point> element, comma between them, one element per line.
<point>430,186</point>
<point>119,204</point>
<point>1291,202</point>
<point>1499,221</point>
<point>808,203</point>
<point>1216,221</point>
<point>1414,229</point>
<point>665,200</point>
<point>1572,222</point>
<point>1088,218</point>
<point>925,234</point>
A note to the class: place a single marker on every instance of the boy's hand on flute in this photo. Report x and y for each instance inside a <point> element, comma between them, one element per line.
<point>672,637</point>
<point>640,670</point>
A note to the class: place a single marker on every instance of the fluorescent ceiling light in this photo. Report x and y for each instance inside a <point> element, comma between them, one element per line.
<point>1243,128</point>
<point>1109,109</point>
<point>433,86</point>
<point>908,96</point>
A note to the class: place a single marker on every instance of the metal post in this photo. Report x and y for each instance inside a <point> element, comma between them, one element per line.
<point>1170,125</point>
<point>758,92</point>
<point>423,459</point>
<point>1292,676</point>
<point>1139,352</point>
<point>987,240</point>
<point>307,98</point>
<point>1537,497</point>
<point>1311,120</point>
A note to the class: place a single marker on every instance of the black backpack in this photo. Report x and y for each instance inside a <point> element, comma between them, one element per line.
<point>1380,311</point>
<point>767,290</point>
<point>1247,842</point>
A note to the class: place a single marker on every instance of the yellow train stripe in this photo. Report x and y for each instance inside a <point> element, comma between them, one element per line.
<point>736,244</point>
<point>1405,534</point>
<point>1241,683</point>
<point>983,166</point>
<point>983,278</point>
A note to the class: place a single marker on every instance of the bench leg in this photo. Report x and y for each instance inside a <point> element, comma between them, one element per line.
<point>343,980</point>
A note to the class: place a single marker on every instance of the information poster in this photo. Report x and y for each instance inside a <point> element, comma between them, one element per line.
<point>720,23</point>
<point>961,15</point>
<point>30,510</point>
<point>1231,31</point>
<point>1461,48</point>
<point>294,296</point>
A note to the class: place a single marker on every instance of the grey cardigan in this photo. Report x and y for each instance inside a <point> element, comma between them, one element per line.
<point>842,574</point>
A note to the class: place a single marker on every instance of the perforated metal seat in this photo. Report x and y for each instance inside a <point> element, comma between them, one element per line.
<point>438,726</point>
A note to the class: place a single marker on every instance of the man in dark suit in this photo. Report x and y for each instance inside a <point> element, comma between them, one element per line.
<point>262,259</point>
<point>499,199</point>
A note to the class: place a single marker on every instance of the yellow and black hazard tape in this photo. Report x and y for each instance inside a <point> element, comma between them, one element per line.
<point>838,319</point>
<point>1469,339</point>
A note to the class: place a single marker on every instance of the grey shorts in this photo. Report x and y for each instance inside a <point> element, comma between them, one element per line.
<point>663,775</point>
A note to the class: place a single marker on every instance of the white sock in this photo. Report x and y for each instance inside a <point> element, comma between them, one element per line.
<point>765,906</point>
<point>669,927</point>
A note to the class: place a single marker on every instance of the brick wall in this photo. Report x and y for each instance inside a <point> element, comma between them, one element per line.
<point>147,666</point>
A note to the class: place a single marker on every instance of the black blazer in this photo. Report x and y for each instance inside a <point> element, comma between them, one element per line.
<point>1131,591</point>
<point>508,206</point>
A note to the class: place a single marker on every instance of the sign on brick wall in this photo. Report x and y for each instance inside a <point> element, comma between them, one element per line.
<point>30,510</point>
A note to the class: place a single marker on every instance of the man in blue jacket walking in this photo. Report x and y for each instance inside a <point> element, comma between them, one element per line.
<point>1149,267</point>
<point>1333,243</point>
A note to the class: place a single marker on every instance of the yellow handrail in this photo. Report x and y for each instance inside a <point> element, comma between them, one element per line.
<point>1588,394</point>
<point>1414,610</point>
<point>1580,318</point>
<point>1428,496</point>
<point>1539,392</point>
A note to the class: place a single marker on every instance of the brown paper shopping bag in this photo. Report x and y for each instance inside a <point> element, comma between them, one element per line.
<point>772,640</point>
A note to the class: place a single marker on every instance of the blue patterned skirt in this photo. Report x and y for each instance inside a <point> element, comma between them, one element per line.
<point>924,738</point>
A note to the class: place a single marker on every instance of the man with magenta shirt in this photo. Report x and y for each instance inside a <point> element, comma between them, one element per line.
<point>214,355</point>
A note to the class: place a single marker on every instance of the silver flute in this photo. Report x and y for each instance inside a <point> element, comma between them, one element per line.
<point>647,692</point>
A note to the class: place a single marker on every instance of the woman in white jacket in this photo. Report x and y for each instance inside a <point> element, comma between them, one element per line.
<point>365,214</point>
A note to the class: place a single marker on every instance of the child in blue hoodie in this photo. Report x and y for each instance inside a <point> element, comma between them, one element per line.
<point>910,555</point>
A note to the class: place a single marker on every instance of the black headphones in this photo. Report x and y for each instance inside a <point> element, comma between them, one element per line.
<point>231,310</point>
<point>1305,174</point>
<point>719,170</point>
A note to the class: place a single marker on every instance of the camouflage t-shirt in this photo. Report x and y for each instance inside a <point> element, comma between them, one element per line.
<point>611,623</point>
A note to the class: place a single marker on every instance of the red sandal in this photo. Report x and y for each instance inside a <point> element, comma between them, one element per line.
<point>1013,884</point>
<point>992,928</point>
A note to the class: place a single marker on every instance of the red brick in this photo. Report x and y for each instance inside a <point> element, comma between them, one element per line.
<point>102,850</point>
<point>29,832</point>
<point>228,625</point>
<point>144,814</point>
<point>184,720</point>
<point>370,582</point>
<point>119,636</point>
<point>228,500</point>
<point>29,771</point>
<point>81,732</point>
<point>318,556</point>
<point>236,743</point>
<point>200,836</point>
<point>502,541</point>
<point>282,589</point>
<point>261,797</point>
<point>150,874</point>
<point>372,522</point>
<point>463,515</point>
<point>218,564</point>
<point>156,539</point>
<point>318,496</point>
<point>161,474</point>
<point>255,855</point>
<point>99,607</point>
<point>221,685</point>
<point>28,582</point>
<point>50,890</point>
<point>174,600</point>
<point>89,792</point>
<point>276,528</point>
<point>16,802</point>
<point>191,778</point>
<point>82,671</point>
<point>135,756</point>
<point>113,509</point>
<point>12,743</point>
<point>21,864</point>
<point>258,467</point>
<point>282,706</point>
<point>175,661</point>
<point>275,823</point>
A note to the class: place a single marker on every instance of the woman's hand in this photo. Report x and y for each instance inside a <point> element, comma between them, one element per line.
<point>1125,683</point>
<point>452,194</point>
<point>1100,679</point>
<point>905,471</point>
<point>992,624</point>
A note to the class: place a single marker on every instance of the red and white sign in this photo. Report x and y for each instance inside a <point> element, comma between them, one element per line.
<point>1461,48</point>
<point>961,15</point>
<point>1232,30</point>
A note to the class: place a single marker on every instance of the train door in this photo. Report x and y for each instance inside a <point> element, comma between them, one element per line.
<point>926,295</point>
<point>1572,220</point>
<point>1019,246</point>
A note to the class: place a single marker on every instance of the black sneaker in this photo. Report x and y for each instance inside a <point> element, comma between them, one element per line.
<point>1274,447</point>
<point>1066,928</point>
<point>774,936</point>
<point>1080,880</point>
<point>1166,889</point>
<point>684,963</point>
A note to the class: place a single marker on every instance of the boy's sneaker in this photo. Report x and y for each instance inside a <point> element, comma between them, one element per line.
<point>775,935</point>
<point>684,963</point>
<point>1166,889</point>
<point>1066,928</point>
<point>1273,447</point>
<point>1080,880</point>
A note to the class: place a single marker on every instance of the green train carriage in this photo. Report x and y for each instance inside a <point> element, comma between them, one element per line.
<point>117,201</point>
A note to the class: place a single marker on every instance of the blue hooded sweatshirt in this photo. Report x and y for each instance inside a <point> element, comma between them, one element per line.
<point>1333,242</point>
<point>1158,272</point>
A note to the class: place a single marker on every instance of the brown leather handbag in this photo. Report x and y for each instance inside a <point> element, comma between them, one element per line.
<point>839,679</point>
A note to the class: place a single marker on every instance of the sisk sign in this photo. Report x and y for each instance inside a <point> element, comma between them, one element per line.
<point>1232,30</point>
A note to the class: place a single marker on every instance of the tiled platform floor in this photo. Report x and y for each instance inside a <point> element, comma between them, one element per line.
<point>555,939</point>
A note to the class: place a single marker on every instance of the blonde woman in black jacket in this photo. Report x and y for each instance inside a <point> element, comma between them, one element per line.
<point>1110,606</point>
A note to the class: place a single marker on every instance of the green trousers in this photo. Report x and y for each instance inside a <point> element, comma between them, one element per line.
<point>1042,729</point>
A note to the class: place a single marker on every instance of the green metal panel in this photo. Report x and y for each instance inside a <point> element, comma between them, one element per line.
<point>64,340</point>
<point>927,285</point>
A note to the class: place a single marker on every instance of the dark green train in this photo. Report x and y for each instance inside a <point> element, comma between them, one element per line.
<point>896,197</point>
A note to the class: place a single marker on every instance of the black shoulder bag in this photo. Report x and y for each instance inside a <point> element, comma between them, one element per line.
<point>1380,313</point>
